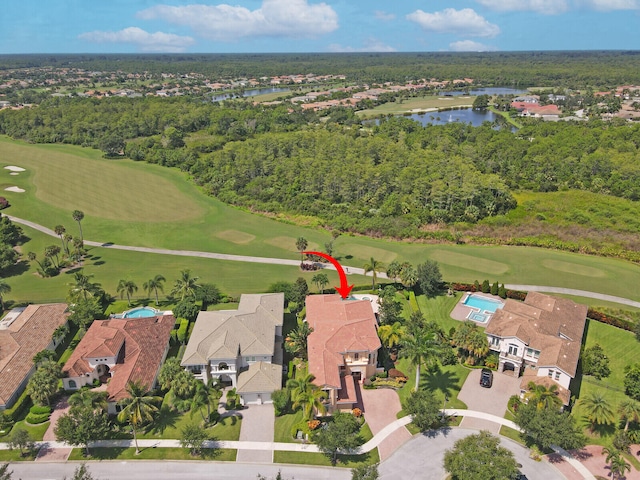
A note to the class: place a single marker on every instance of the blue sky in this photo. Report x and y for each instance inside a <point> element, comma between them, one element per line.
<point>131,26</point>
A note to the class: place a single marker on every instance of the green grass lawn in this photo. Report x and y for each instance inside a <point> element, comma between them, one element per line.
<point>153,453</point>
<point>511,433</point>
<point>283,425</point>
<point>14,456</point>
<point>36,432</point>
<point>169,424</point>
<point>120,201</point>
<point>621,347</point>
<point>307,458</point>
<point>438,309</point>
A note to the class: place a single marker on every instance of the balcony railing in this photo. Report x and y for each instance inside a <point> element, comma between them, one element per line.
<point>225,369</point>
<point>511,356</point>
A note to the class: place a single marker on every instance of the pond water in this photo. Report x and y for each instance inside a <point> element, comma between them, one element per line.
<point>250,93</point>
<point>462,115</point>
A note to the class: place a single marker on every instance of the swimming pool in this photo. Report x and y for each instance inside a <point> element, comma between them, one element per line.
<point>482,303</point>
<point>141,312</point>
<point>479,317</point>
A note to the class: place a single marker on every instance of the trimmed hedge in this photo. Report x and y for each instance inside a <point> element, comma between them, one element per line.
<point>20,408</point>
<point>610,320</point>
<point>182,331</point>
<point>35,419</point>
<point>40,410</point>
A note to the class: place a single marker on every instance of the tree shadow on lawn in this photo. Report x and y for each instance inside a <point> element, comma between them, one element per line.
<point>167,418</point>
<point>16,269</point>
<point>602,430</point>
<point>444,382</point>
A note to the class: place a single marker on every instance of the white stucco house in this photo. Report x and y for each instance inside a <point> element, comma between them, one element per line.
<point>539,339</point>
<point>242,347</point>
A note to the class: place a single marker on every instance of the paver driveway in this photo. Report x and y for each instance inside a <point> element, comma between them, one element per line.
<point>257,426</point>
<point>380,409</point>
<point>489,400</point>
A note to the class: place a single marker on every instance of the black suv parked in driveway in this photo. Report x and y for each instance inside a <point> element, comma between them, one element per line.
<point>486,378</point>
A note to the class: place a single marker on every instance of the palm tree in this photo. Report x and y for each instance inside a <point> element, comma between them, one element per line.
<point>393,270</point>
<point>89,398</point>
<point>321,280</point>
<point>60,231</point>
<point>138,408</point>
<point>83,286</point>
<point>629,410</point>
<point>408,275</point>
<point>154,284</point>
<point>542,396</point>
<point>390,335</point>
<point>53,251</point>
<point>33,257</point>
<point>127,287</point>
<point>598,409</point>
<point>4,289</point>
<point>186,285</point>
<point>301,245</point>
<point>422,345</point>
<point>305,394</point>
<point>374,267</point>
<point>618,467</point>
<point>78,248</point>
<point>472,340</point>
<point>206,394</point>
<point>296,340</point>
<point>78,216</point>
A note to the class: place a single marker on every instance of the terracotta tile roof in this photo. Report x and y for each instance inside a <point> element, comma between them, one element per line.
<point>260,377</point>
<point>339,326</point>
<point>140,344</point>
<point>554,326</point>
<point>28,334</point>
<point>224,334</point>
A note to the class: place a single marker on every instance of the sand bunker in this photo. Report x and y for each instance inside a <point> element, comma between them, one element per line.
<point>14,189</point>
<point>14,173</point>
<point>13,168</point>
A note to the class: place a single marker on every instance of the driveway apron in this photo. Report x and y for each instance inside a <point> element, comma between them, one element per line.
<point>380,409</point>
<point>257,426</point>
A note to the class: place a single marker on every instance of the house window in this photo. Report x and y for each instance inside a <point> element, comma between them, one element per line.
<point>73,384</point>
<point>356,356</point>
<point>550,373</point>
<point>557,376</point>
<point>495,341</point>
<point>531,353</point>
<point>513,349</point>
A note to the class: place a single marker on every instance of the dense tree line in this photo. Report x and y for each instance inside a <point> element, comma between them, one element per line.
<point>391,178</point>
<point>573,69</point>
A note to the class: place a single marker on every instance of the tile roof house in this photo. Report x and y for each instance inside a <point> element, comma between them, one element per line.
<point>243,346</point>
<point>120,350</point>
<point>23,333</point>
<point>343,347</point>
<point>541,336</point>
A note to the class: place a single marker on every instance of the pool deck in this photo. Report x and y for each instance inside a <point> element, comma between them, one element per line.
<point>461,311</point>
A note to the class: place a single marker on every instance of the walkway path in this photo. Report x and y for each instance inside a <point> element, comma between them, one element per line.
<point>296,447</point>
<point>285,261</point>
<point>49,454</point>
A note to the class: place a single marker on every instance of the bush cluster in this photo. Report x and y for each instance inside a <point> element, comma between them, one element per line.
<point>610,320</point>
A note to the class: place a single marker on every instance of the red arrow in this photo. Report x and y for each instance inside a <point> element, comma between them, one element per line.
<point>343,289</point>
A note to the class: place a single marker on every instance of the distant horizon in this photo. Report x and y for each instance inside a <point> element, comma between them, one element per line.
<point>416,52</point>
<point>316,26</point>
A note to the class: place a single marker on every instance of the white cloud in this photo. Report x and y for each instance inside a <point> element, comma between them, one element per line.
<point>470,46</point>
<point>546,7</point>
<point>380,15</point>
<point>450,20</point>
<point>147,42</point>
<point>370,45</point>
<point>607,5</point>
<point>280,18</point>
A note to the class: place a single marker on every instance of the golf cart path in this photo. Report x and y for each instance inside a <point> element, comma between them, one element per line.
<point>284,261</point>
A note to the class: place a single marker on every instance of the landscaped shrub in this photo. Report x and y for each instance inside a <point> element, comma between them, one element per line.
<point>514,403</point>
<point>494,288</point>
<point>610,320</point>
<point>40,410</point>
<point>516,294</point>
<point>182,331</point>
<point>313,424</point>
<point>448,357</point>
<point>20,408</point>
<point>35,419</point>
<point>492,361</point>
<point>4,203</point>
<point>356,412</point>
<point>394,373</point>
<point>486,288</point>
<point>281,401</point>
